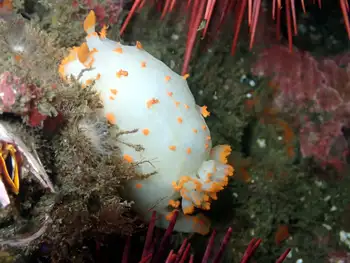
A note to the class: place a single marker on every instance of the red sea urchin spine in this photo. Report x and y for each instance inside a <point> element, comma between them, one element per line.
<point>222,8</point>
<point>151,255</point>
<point>283,256</point>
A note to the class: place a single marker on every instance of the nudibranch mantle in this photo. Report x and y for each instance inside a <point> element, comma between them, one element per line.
<point>168,139</point>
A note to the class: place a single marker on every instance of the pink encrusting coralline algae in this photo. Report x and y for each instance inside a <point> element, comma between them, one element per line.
<point>20,98</point>
<point>317,91</point>
<point>11,89</point>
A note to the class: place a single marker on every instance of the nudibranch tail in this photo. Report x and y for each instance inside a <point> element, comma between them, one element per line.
<point>198,223</point>
<point>212,177</point>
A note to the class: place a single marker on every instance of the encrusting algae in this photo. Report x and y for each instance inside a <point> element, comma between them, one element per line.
<point>162,130</point>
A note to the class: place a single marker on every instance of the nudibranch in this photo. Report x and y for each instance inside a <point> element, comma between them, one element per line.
<point>163,131</point>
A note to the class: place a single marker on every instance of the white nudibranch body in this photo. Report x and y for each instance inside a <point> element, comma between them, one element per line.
<point>141,94</point>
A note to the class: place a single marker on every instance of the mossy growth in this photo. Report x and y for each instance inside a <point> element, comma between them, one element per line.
<point>88,179</point>
<point>81,154</point>
<point>61,19</point>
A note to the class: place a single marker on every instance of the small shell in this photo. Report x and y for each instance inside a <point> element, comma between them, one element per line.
<point>30,156</point>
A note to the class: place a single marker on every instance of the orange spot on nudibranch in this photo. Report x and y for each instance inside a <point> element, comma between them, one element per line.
<point>89,22</point>
<point>128,158</point>
<point>151,102</point>
<point>89,82</point>
<point>174,204</point>
<point>175,186</point>
<point>138,186</point>
<point>213,196</point>
<point>121,73</point>
<point>98,76</point>
<point>189,150</point>
<point>145,131</point>
<point>111,118</point>
<point>170,94</point>
<point>177,103</point>
<point>94,34</point>
<point>83,53</point>
<point>139,45</point>
<point>71,57</point>
<point>172,147</point>
<point>179,120</point>
<point>167,78</point>
<point>118,50</point>
<point>204,127</point>
<point>143,64</point>
<point>114,91</point>
<point>204,111</point>
<point>188,210</point>
<point>111,98</point>
<point>103,32</point>
<point>185,76</point>
<point>186,106</point>
<point>195,130</point>
<point>85,56</point>
<point>224,153</point>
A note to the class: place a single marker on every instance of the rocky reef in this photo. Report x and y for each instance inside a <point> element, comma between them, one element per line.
<point>288,130</point>
<point>58,119</point>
